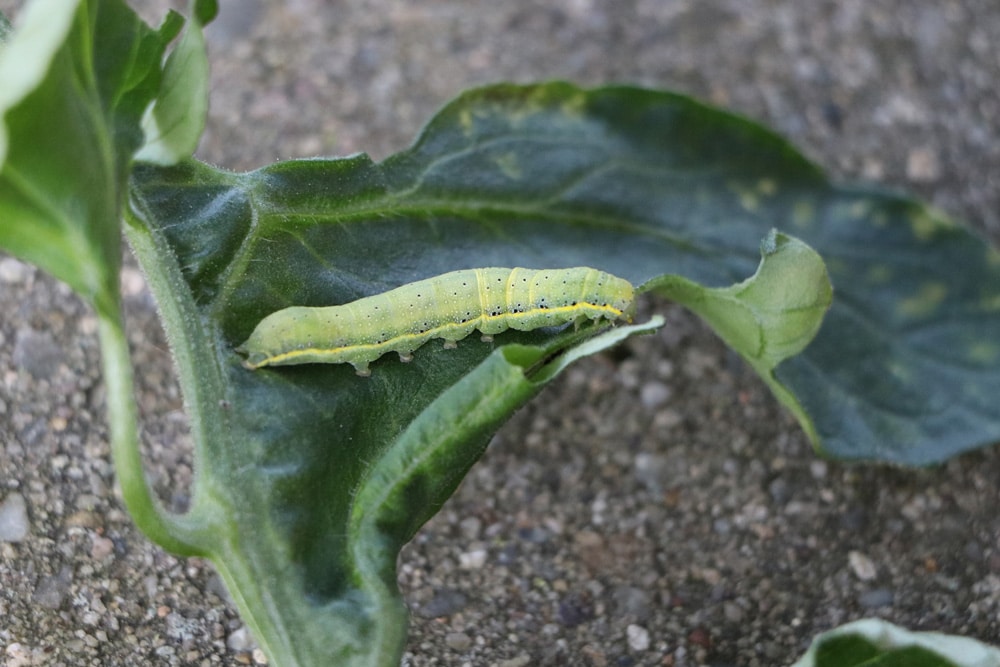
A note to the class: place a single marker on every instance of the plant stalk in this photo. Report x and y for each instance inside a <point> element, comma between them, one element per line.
<point>149,515</point>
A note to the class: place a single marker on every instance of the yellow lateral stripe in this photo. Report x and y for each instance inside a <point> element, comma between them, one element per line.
<point>430,333</point>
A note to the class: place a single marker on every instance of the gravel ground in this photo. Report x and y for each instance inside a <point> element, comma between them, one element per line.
<point>680,518</point>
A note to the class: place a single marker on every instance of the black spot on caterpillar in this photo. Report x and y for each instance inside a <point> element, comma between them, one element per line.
<point>449,306</point>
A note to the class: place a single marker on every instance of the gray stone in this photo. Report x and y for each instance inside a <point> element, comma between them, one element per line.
<point>14,524</point>
<point>52,590</point>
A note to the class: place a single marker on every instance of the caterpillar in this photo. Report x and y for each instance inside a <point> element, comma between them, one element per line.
<point>449,306</point>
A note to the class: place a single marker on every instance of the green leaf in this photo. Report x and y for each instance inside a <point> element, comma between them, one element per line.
<point>907,365</point>
<point>75,79</point>
<point>174,122</point>
<point>771,316</point>
<point>320,476</point>
<point>70,104</point>
<point>315,477</point>
<point>907,362</point>
<point>877,643</point>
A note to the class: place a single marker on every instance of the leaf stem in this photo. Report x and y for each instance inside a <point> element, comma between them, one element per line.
<point>157,523</point>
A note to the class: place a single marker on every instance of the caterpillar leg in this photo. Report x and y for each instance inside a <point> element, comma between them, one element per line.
<point>450,344</point>
<point>406,357</point>
<point>362,370</point>
<point>486,338</point>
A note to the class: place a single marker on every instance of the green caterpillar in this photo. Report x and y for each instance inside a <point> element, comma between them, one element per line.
<point>449,306</point>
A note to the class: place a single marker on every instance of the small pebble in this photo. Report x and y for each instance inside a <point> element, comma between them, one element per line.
<point>779,490</point>
<point>862,566</point>
<point>880,597</point>
<point>722,526</point>
<point>651,470</point>
<point>472,560</point>
<point>595,656</point>
<point>593,550</point>
<point>732,612</point>
<point>854,519</point>
<point>922,165</point>
<point>573,611</point>
<point>18,655</point>
<point>632,600</point>
<point>471,527</point>
<point>13,272</point>
<point>240,641</point>
<point>973,551</point>
<point>700,637</point>
<point>132,281</point>
<point>36,353</point>
<point>444,603</point>
<point>654,394</point>
<point>535,535</point>
<point>101,548</point>
<point>83,519</point>
<point>13,518</point>
<point>51,590</point>
<point>458,641</point>
<point>638,637</point>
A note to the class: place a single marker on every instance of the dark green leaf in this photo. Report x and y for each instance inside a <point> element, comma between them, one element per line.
<point>857,652</point>
<point>323,476</point>
<point>908,361</point>
<point>904,368</point>
<point>316,477</point>
<point>205,11</point>
<point>907,364</point>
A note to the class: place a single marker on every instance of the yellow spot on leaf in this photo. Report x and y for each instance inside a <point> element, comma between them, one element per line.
<point>749,201</point>
<point>878,274</point>
<point>860,209</point>
<point>900,372</point>
<point>803,214</point>
<point>991,302</point>
<point>767,186</point>
<point>747,196</point>
<point>984,352</point>
<point>465,120</point>
<point>925,301</point>
<point>510,166</point>
<point>924,224</point>
<point>574,106</point>
<point>993,258</point>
